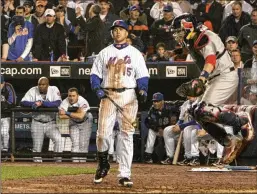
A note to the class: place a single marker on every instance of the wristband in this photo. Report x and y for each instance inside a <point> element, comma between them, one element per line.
<point>204,74</point>
<point>68,113</point>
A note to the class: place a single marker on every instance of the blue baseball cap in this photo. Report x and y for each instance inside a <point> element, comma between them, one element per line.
<point>2,79</point>
<point>119,23</point>
<point>158,97</point>
<point>168,8</point>
<point>135,7</point>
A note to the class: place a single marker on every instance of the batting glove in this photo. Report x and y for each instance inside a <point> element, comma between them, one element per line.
<point>100,94</point>
<point>34,106</point>
<point>142,96</point>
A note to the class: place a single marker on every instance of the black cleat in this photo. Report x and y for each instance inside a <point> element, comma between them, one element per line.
<point>125,182</point>
<point>184,162</point>
<point>103,167</point>
<point>101,173</point>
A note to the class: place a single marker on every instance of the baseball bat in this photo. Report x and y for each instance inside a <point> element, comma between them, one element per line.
<point>134,124</point>
<point>177,151</point>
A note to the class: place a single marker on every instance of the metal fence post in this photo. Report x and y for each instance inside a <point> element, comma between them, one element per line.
<point>12,136</point>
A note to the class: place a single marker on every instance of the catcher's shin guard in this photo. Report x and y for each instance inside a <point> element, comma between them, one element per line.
<point>103,167</point>
<point>217,132</point>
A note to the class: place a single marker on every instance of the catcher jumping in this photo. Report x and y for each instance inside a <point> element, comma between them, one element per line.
<point>217,82</point>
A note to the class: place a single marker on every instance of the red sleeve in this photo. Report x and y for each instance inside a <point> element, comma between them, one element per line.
<point>211,59</point>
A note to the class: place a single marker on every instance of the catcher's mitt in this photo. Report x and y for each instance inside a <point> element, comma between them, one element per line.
<point>193,88</point>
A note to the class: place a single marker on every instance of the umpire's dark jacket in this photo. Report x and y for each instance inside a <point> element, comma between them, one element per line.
<point>94,39</point>
<point>47,39</point>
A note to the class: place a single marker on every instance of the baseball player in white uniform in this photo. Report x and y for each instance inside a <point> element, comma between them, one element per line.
<point>44,123</point>
<point>117,71</point>
<point>8,100</point>
<point>220,77</point>
<point>80,122</point>
<point>190,127</point>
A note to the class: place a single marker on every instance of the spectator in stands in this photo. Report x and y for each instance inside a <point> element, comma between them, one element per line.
<point>94,28</point>
<point>161,54</point>
<point>39,12</point>
<point>246,7</point>
<point>108,18</point>
<point>60,19</point>
<point>136,42</point>
<point>28,5</point>
<point>146,5</point>
<point>253,3</point>
<point>185,6</point>
<point>20,36</point>
<point>236,58</point>
<point>247,35</point>
<point>125,14</point>
<point>72,40</point>
<point>9,8</point>
<point>8,101</point>
<point>157,11</point>
<point>69,12</point>
<point>43,123</point>
<point>210,14</point>
<point>160,30</point>
<point>5,20</point>
<point>252,64</point>
<point>136,27</point>
<point>233,23</point>
<point>231,44</point>
<point>49,37</point>
<point>80,122</point>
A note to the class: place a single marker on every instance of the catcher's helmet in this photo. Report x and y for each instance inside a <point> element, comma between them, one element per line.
<point>185,21</point>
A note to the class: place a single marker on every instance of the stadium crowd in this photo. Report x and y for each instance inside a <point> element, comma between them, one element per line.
<point>74,30</point>
<point>44,30</point>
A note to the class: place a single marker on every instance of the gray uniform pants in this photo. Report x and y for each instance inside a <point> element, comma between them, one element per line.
<point>5,128</point>
<point>40,130</point>
<point>80,137</point>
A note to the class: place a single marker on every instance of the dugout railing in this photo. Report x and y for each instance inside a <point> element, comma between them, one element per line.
<point>21,141</point>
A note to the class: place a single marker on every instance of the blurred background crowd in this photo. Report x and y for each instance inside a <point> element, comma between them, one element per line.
<point>63,30</point>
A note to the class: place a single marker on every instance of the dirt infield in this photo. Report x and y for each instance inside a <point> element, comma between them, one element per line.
<point>146,178</point>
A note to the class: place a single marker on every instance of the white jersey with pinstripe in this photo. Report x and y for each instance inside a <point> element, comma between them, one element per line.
<point>81,103</point>
<point>33,95</point>
<point>119,68</point>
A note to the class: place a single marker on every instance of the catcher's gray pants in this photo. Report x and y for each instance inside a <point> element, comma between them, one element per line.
<point>38,132</point>
<point>5,128</point>
<point>150,141</point>
<point>191,142</point>
<point>80,137</point>
<point>169,139</point>
<point>221,88</point>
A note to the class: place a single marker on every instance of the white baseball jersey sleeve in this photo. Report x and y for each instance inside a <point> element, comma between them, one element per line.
<point>34,95</point>
<point>119,68</point>
<point>81,103</point>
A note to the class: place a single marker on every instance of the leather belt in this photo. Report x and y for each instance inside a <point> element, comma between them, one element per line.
<point>230,69</point>
<point>119,90</point>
